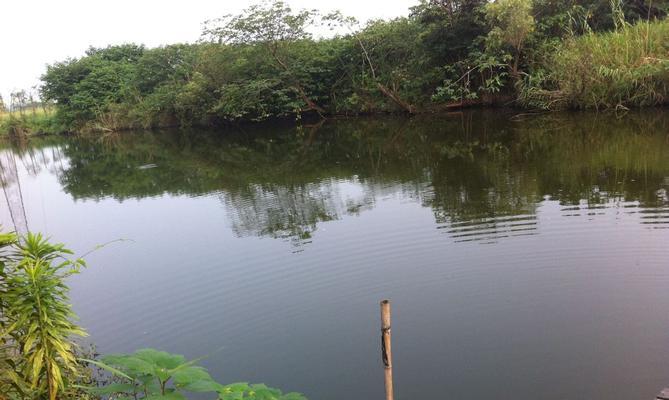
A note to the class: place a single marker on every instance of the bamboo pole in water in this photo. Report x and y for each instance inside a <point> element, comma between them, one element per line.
<point>386,352</point>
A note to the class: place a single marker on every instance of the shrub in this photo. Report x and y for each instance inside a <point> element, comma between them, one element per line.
<point>156,375</point>
<point>626,68</point>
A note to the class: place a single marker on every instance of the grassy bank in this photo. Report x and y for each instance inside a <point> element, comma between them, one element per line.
<point>625,68</point>
<point>28,123</point>
<point>265,64</point>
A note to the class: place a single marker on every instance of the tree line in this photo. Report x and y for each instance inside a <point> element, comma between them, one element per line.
<point>271,61</point>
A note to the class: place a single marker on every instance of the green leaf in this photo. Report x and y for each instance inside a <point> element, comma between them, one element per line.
<point>190,375</point>
<point>161,359</point>
<point>203,386</point>
<point>263,392</point>
<point>233,391</point>
<point>108,368</point>
<point>195,379</point>
<point>130,364</point>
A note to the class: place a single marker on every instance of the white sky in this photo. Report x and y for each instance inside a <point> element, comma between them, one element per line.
<point>39,32</point>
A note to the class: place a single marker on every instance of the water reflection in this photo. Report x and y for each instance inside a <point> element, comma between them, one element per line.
<point>524,251</point>
<point>482,174</point>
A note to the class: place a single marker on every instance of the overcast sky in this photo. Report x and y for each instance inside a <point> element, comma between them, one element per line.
<point>39,32</point>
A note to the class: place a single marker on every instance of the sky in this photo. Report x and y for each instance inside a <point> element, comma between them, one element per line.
<point>39,32</point>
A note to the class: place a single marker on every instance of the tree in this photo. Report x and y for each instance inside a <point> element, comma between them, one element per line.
<point>512,23</point>
<point>18,100</point>
<point>450,27</point>
<point>375,30</point>
<point>274,26</point>
<point>89,88</point>
<point>3,107</point>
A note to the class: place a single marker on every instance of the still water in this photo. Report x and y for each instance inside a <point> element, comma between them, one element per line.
<point>525,256</point>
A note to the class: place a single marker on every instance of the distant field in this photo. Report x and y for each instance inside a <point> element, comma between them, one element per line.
<point>27,122</point>
<point>39,111</point>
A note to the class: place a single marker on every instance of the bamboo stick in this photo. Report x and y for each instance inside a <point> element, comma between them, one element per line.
<point>386,352</point>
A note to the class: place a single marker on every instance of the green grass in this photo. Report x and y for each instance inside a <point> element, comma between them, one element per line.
<point>626,68</point>
<point>29,122</point>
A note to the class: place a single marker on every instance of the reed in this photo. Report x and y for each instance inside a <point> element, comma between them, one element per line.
<point>39,121</point>
<point>625,68</point>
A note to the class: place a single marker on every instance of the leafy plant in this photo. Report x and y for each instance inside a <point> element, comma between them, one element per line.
<point>626,68</point>
<point>243,390</point>
<point>37,316</point>
<point>512,23</point>
<point>37,355</point>
<point>157,375</point>
<point>266,62</point>
<point>10,382</point>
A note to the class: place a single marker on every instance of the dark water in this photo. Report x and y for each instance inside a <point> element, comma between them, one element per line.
<point>525,257</point>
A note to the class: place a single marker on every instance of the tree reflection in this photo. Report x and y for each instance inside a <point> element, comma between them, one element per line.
<point>482,174</point>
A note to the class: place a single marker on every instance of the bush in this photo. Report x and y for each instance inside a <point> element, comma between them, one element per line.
<point>158,375</point>
<point>626,68</point>
<point>40,122</point>
<point>36,322</point>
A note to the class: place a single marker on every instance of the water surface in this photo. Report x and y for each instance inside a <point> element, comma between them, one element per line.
<point>525,256</point>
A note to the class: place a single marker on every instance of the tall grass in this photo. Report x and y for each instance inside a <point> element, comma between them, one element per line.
<point>625,68</point>
<point>29,122</point>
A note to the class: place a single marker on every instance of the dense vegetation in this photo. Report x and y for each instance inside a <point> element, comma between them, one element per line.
<point>625,68</point>
<point>157,375</point>
<point>271,61</point>
<point>19,124</point>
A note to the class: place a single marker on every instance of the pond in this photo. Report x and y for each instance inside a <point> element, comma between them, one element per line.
<point>525,255</point>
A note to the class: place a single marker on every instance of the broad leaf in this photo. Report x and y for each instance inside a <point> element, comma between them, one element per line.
<point>161,359</point>
<point>130,364</point>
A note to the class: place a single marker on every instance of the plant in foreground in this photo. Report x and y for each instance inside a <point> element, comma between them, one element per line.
<point>37,354</point>
<point>37,317</point>
<point>157,375</point>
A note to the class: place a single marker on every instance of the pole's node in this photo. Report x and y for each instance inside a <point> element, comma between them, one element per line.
<point>386,349</point>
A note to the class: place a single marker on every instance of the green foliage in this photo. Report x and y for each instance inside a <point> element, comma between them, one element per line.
<point>10,383</point>
<point>37,355</point>
<point>36,316</point>
<point>264,63</point>
<point>29,122</point>
<point>512,23</point>
<point>488,76</point>
<point>242,390</point>
<point>626,68</point>
<point>87,89</point>
<point>275,28</point>
<point>269,23</point>
<point>450,29</point>
<point>469,71</point>
<point>157,375</point>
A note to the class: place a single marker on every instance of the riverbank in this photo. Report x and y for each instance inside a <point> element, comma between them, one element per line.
<point>27,123</point>
<point>527,54</point>
<point>521,53</point>
<point>627,68</point>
